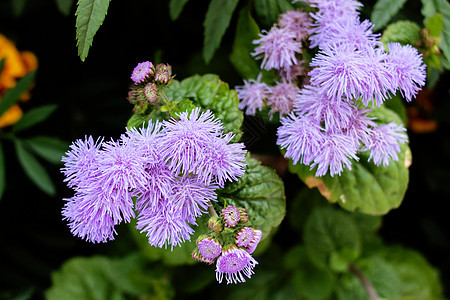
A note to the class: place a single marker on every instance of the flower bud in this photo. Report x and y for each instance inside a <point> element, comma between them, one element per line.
<point>151,92</point>
<point>244,236</point>
<point>243,217</point>
<point>209,247</point>
<point>142,72</point>
<point>215,224</point>
<point>198,257</point>
<point>136,95</point>
<point>163,74</point>
<point>230,216</point>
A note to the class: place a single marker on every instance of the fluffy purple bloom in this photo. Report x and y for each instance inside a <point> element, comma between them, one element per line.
<point>278,48</point>
<point>291,73</point>
<point>298,22</point>
<point>335,154</point>
<point>185,139</point>
<point>252,95</point>
<point>244,236</point>
<point>142,71</point>
<point>230,216</point>
<point>199,257</point>
<point>301,137</point>
<point>234,263</point>
<point>406,65</point>
<point>221,161</point>
<point>383,143</point>
<point>209,247</point>
<point>254,243</point>
<point>164,227</point>
<point>281,97</point>
<point>360,127</point>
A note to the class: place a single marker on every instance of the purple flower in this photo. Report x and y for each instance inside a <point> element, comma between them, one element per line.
<point>277,48</point>
<point>209,247</point>
<point>164,226</point>
<point>142,71</point>
<point>291,73</point>
<point>335,154</point>
<point>252,95</point>
<point>360,127</point>
<point>221,161</point>
<point>79,162</point>
<point>301,137</point>
<point>198,257</point>
<point>146,141</point>
<point>298,22</point>
<point>244,236</point>
<point>185,139</point>
<point>234,263</point>
<point>383,143</point>
<point>281,97</point>
<point>230,215</point>
<point>406,65</point>
<point>254,243</point>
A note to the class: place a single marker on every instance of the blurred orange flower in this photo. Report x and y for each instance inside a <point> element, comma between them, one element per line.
<point>17,64</point>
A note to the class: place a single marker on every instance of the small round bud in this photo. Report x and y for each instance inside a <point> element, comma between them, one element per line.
<point>215,224</point>
<point>142,72</point>
<point>243,217</point>
<point>244,237</point>
<point>230,216</point>
<point>209,247</point>
<point>163,74</point>
<point>198,257</point>
<point>151,92</point>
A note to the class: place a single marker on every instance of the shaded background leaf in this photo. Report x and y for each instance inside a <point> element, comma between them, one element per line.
<point>383,11</point>
<point>34,116</point>
<point>176,7</point>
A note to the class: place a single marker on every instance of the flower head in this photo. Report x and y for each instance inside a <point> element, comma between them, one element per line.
<point>281,97</point>
<point>252,95</point>
<point>244,236</point>
<point>209,247</point>
<point>256,239</point>
<point>199,257</point>
<point>163,73</point>
<point>151,92</point>
<point>298,22</point>
<point>234,263</point>
<point>230,215</point>
<point>142,72</point>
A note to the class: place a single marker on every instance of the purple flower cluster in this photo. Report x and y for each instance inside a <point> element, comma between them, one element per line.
<point>327,126</point>
<point>165,173</point>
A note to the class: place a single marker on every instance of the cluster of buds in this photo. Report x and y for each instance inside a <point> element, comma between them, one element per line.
<point>149,81</point>
<point>229,245</point>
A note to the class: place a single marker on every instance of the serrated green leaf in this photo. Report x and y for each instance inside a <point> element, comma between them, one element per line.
<point>217,20</point>
<point>329,233</point>
<point>34,169</point>
<point>261,192</point>
<point>176,7</point>
<point>435,24</point>
<point>49,148</point>
<point>246,32</point>
<point>404,32</point>
<point>12,95</point>
<point>90,16</point>
<point>366,188</point>
<point>34,117</point>
<point>209,92</point>
<point>64,6</point>
<point>2,172</point>
<point>384,10</point>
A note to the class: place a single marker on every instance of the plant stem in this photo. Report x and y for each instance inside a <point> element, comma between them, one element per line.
<point>212,212</point>
<point>365,283</point>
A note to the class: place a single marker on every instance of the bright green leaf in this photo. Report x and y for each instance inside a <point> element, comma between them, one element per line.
<point>435,24</point>
<point>90,15</point>
<point>34,117</point>
<point>217,20</point>
<point>64,6</point>
<point>49,148</point>
<point>12,95</point>
<point>209,92</point>
<point>329,233</point>
<point>176,7</point>
<point>261,192</point>
<point>246,32</point>
<point>34,169</point>
<point>384,10</point>
<point>404,32</point>
<point>2,172</point>
<point>429,9</point>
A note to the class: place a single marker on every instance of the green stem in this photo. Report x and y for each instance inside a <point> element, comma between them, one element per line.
<point>212,212</point>
<point>368,287</point>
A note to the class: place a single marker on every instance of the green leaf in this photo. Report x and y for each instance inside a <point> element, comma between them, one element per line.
<point>209,92</point>
<point>404,32</point>
<point>12,95</point>
<point>2,172</point>
<point>429,9</point>
<point>18,6</point>
<point>396,105</point>
<point>104,278</point>
<point>384,10</point>
<point>246,32</point>
<point>176,7</point>
<point>34,117</point>
<point>217,20</point>
<point>366,188</point>
<point>330,233</point>
<point>90,15</point>
<point>435,24</point>
<point>64,6</point>
<point>49,148</point>
<point>261,192</point>
<point>267,11</point>
<point>34,169</point>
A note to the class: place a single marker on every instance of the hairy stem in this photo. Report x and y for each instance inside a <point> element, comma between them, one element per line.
<point>365,283</point>
<point>212,212</point>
